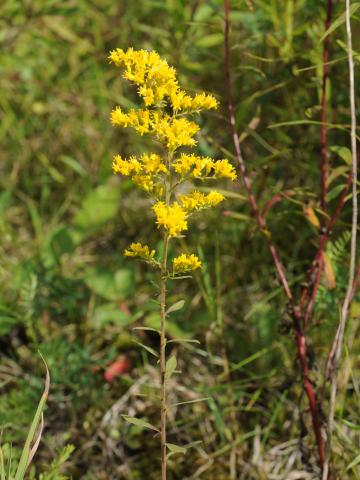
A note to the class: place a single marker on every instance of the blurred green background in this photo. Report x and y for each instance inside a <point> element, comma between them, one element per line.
<point>66,289</point>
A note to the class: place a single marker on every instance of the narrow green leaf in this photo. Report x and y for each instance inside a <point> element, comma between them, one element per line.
<point>334,192</point>
<point>352,426</point>
<point>170,367</point>
<point>210,40</point>
<point>2,466</point>
<point>353,464</point>
<point>192,401</point>
<point>177,306</point>
<point>150,329</point>
<point>337,172</point>
<point>183,340</point>
<point>139,422</point>
<point>27,453</point>
<point>148,349</point>
<point>176,448</point>
<point>340,20</point>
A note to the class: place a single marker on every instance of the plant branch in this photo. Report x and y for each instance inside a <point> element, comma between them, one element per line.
<point>163,413</point>
<point>309,292</point>
<point>336,350</point>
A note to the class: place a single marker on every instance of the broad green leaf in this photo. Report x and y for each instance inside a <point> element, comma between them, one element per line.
<point>176,448</point>
<point>153,320</point>
<point>203,12</point>
<point>113,286</point>
<point>99,207</point>
<point>110,313</point>
<point>340,20</point>
<point>139,422</point>
<point>210,40</point>
<point>343,153</point>
<point>170,367</point>
<point>177,306</point>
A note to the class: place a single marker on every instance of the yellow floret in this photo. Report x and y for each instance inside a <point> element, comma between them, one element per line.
<point>152,163</point>
<point>197,200</point>
<point>126,167</point>
<point>186,263</point>
<point>203,101</point>
<point>171,217</point>
<point>139,250</point>
<point>224,169</point>
<point>175,132</point>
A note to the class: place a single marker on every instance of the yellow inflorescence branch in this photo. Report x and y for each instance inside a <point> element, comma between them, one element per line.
<point>163,116</point>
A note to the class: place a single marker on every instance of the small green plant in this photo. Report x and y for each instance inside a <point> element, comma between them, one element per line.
<point>31,443</point>
<point>9,471</point>
<point>167,177</point>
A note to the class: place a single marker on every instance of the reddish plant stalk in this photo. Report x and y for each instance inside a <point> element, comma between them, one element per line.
<point>295,311</point>
<point>251,197</point>
<point>311,289</point>
<point>325,76</point>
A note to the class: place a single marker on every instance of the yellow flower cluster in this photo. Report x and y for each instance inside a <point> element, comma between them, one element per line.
<point>197,200</point>
<point>186,263</point>
<point>143,171</point>
<point>171,217</point>
<point>163,115</point>
<point>156,81</point>
<point>139,250</point>
<point>203,167</point>
<point>172,132</point>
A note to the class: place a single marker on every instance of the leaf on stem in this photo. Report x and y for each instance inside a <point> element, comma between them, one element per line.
<point>177,306</point>
<point>139,422</point>
<point>170,368</point>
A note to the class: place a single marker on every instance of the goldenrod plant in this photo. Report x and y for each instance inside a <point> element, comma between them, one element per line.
<point>165,115</point>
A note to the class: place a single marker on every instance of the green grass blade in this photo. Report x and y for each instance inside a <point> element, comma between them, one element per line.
<point>28,452</point>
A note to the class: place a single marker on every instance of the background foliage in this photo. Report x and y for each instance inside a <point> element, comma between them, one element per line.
<point>66,288</point>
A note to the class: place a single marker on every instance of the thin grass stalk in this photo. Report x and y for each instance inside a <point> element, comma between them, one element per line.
<point>325,76</point>
<point>336,350</point>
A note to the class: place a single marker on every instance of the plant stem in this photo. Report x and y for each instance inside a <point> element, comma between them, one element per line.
<point>163,340</point>
<point>325,75</point>
<point>163,281</point>
<point>336,349</point>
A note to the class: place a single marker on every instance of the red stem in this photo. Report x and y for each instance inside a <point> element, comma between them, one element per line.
<point>295,311</point>
<point>325,75</point>
<point>259,217</point>
<point>315,272</point>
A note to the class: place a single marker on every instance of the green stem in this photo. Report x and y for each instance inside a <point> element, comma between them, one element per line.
<point>163,281</point>
<point>163,340</point>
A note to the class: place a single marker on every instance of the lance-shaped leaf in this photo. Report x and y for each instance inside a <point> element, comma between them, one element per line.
<point>139,422</point>
<point>177,306</point>
<point>170,367</point>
